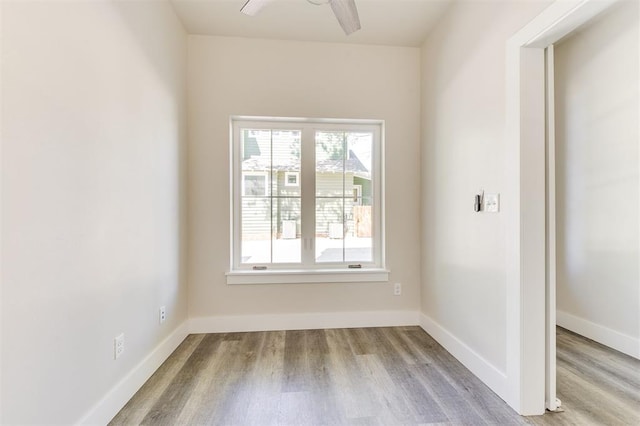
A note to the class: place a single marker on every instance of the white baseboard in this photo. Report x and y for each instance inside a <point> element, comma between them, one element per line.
<point>614,339</point>
<point>225,324</point>
<point>117,397</point>
<point>483,369</point>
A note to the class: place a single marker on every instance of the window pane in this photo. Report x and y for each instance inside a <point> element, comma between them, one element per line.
<point>358,207</point>
<point>287,246</point>
<point>256,162</point>
<point>330,230</point>
<point>359,158</point>
<point>343,196</point>
<point>358,245</point>
<point>267,220</point>
<point>330,162</point>
<point>256,230</point>
<point>286,162</point>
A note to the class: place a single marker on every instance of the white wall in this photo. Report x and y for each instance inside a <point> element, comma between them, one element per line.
<point>235,76</point>
<point>597,114</point>
<point>93,119</point>
<point>463,151</point>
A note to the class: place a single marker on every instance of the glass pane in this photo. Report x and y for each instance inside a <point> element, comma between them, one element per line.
<point>344,191</point>
<point>256,230</point>
<point>330,162</point>
<point>357,243</point>
<point>358,205</point>
<point>256,162</point>
<point>359,157</point>
<point>270,196</point>
<point>286,162</point>
<point>287,242</point>
<point>330,230</point>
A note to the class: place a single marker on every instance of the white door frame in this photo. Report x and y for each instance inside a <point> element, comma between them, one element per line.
<point>525,203</point>
<point>551,400</point>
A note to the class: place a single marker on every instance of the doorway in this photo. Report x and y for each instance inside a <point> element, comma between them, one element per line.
<point>528,341</point>
<point>592,185</point>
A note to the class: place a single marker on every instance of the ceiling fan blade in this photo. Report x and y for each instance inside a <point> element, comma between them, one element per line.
<point>347,14</point>
<point>252,7</point>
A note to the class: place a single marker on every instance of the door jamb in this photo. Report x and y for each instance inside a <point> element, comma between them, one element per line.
<point>552,403</point>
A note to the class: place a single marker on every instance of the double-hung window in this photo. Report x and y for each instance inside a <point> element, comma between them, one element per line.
<point>307,200</point>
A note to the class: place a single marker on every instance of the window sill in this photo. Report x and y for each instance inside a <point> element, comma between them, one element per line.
<point>307,276</point>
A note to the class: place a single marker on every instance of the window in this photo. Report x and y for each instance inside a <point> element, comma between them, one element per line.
<point>291,178</point>
<point>254,183</point>
<point>357,195</point>
<point>306,200</point>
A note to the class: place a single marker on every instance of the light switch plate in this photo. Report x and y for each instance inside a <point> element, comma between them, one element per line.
<point>491,203</point>
<point>118,346</point>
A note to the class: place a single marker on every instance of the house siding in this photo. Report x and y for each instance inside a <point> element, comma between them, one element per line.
<point>256,223</point>
<point>330,210</point>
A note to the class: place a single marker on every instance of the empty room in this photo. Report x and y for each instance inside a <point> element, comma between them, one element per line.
<point>314,212</point>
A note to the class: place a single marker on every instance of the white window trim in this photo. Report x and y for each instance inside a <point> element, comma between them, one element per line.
<point>252,173</point>
<point>286,178</point>
<point>374,271</point>
<point>300,276</point>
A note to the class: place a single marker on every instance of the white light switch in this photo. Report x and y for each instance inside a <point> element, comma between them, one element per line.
<point>491,203</point>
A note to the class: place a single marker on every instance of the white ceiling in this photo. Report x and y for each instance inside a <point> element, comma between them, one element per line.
<point>384,22</point>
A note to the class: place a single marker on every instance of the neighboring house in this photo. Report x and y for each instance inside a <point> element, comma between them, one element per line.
<point>343,189</point>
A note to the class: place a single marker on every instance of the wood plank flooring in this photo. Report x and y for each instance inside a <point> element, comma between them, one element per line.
<point>597,385</point>
<point>365,376</point>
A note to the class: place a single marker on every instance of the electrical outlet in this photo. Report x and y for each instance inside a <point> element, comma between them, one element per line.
<point>163,314</point>
<point>397,289</point>
<point>118,346</point>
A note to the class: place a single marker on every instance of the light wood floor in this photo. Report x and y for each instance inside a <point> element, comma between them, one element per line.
<point>370,376</point>
<point>597,385</point>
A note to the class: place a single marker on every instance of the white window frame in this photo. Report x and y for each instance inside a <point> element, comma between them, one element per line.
<point>286,178</point>
<point>252,173</point>
<point>308,271</point>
